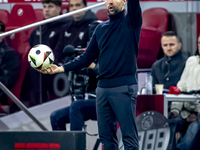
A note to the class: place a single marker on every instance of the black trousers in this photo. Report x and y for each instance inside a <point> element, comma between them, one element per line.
<point>117,104</point>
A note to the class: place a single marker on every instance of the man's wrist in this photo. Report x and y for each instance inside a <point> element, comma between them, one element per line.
<point>62,69</point>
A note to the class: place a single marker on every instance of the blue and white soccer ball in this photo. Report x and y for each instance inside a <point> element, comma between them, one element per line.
<point>40,57</point>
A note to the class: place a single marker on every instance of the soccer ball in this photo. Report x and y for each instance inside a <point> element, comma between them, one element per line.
<point>40,57</point>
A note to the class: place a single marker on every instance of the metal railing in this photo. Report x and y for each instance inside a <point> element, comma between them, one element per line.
<point>21,106</point>
<point>50,19</point>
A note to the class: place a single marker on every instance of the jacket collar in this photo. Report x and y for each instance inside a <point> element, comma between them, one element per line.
<point>117,16</point>
<point>178,54</point>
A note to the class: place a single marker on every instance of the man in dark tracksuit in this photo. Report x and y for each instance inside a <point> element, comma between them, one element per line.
<point>81,110</point>
<point>76,33</point>
<point>115,42</point>
<point>50,34</point>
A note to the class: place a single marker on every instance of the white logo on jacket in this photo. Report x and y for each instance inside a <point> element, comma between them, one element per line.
<point>81,34</point>
<point>38,33</point>
<point>67,34</point>
<point>52,34</point>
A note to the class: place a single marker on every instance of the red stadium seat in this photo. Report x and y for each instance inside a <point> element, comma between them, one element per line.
<point>39,14</point>
<point>198,25</point>
<point>4,16</point>
<point>149,46</point>
<point>155,22</point>
<point>156,18</point>
<point>21,15</point>
<point>64,8</point>
<point>17,40</point>
<point>102,14</point>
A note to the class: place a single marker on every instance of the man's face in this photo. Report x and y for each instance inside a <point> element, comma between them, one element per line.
<point>170,45</point>
<point>114,6</point>
<point>75,5</point>
<point>50,10</point>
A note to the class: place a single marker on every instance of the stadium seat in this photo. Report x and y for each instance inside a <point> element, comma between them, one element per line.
<point>198,25</point>
<point>17,40</point>
<point>102,14</point>
<point>64,8</point>
<point>39,14</point>
<point>22,15</point>
<point>156,18</point>
<point>149,46</point>
<point>155,22</point>
<point>4,16</point>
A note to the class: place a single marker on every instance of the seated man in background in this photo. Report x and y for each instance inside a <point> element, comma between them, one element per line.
<point>168,70</point>
<point>76,33</point>
<point>49,35</point>
<point>10,65</point>
<point>187,112</point>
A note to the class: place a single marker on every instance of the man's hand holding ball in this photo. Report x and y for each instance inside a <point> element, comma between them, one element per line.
<point>52,69</point>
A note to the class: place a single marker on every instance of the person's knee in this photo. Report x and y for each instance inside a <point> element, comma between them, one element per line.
<point>53,116</point>
<point>75,106</point>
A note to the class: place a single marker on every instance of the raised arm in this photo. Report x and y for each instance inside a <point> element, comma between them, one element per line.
<point>134,13</point>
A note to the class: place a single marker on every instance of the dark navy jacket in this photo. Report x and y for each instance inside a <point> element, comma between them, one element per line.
<point>115,42</point>
<point>76,33</point>
<point>167,70</point>
<point>10,65</point>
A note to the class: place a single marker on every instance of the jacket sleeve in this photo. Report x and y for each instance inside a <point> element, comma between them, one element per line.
<point>182,82</point>
<point>134,13</point>
<point>176,106</point>
<point>197,108</point>
<point>91,53</point>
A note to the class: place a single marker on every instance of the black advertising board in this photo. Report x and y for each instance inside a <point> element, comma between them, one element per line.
<point>43,140</point>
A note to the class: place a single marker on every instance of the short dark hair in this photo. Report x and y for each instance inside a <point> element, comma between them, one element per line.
<point>171,33</point>
<point>56,2</point>
<point>84,2</point>
<point>2,26</point>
